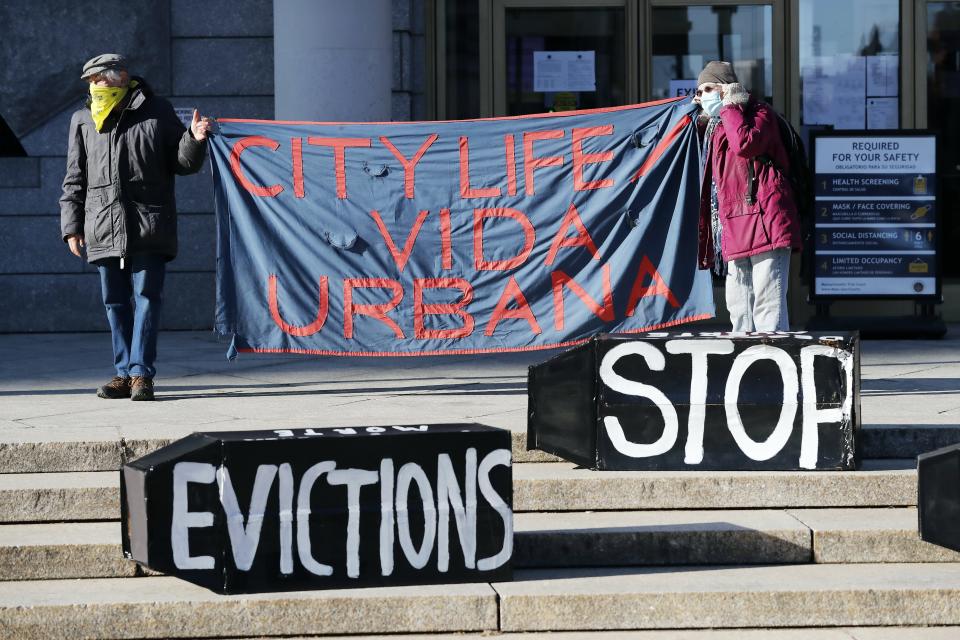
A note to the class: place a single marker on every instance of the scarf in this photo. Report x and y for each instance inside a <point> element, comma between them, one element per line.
<point>716,224</point>
<point>104,99</point>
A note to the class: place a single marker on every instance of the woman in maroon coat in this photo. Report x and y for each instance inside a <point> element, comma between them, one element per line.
<point>748,217</point>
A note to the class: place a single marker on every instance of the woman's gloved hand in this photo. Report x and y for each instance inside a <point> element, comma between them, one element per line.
<point>733,93</point>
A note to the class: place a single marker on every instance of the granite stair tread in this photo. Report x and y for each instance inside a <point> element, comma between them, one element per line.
<point>163,607</point>
<point>814,595</point>
<point>838,633</point>
<point>44,551</point>
<point>537,600</point>
<point>26,450</point>
<point>51,497</point>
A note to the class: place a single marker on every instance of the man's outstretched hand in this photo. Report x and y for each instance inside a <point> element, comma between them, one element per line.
<point>75,242</point>
<point>200,127</point>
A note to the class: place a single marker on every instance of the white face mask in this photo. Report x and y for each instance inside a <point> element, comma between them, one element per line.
<point>711,103</point>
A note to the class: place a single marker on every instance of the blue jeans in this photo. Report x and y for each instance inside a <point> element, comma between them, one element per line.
<point>133,297</point>
<point>756,291</point>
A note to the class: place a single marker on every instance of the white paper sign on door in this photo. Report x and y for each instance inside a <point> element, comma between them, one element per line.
<point>564,71</point>
<point>883,113</point>
<point>883,75</point>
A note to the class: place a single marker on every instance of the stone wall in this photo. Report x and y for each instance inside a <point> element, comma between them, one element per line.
<point>215,55</point>
<point>409,60</point>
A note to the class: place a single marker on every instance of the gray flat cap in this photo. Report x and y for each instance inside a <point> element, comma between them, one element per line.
<point>103,62</point>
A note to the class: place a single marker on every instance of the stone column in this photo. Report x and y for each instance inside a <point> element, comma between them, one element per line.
<point>333,60</point>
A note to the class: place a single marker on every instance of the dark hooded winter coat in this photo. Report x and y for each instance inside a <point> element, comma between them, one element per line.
<point>118,192</point>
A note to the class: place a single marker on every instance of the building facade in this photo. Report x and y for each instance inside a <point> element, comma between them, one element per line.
<point>845,64</point>
<point>825,64</point>
<point>215,55</point>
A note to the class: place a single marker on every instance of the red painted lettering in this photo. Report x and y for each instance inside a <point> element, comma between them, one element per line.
<point>529,237</point>
<point>243,143</point>
<point>376,311</point>
<point>400,257</point>
<point>293,330</point>
<point>660,148</point>
<point>530,162</point>
<point>420,310</point>
<point>657,287</point>
<point>409,166</point>
<point>522,311</point>
<point>446,243</point>
<point>559,279</point>
<point>466,191</point>
<point>339,157</point>
<point>296,151</point>
<point>508,147</point>
<point>582,238</point>
<point>580,158</point>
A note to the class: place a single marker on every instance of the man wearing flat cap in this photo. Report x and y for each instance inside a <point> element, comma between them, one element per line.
<point>125,148</point>
<point>748,216</point>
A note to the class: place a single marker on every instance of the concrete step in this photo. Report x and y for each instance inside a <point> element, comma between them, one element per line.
<point>92,549</point>
<point>55,497</point>
<point>564,487</point>
<point>578,539</point>
<point>621,538</point>
<point>840,633</point>
<point>20,454</point>
<point>161,607</point>
<point>570,600</point>
<point>63,550</point>
<point>657,538</point>
<point>869,535</point>
<point>814,595</point>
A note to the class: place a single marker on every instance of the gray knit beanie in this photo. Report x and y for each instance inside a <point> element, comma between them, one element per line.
<point>718,72</point>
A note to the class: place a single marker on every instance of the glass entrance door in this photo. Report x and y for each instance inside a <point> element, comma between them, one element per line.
<point>551,55</point>
<point>685,35</point>
<point>943,105</point>
<point>628,51</point>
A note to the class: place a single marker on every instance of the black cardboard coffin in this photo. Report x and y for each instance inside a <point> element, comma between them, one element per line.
<point>253,511</point>
<point>938,500</point>
<point>627,402</point>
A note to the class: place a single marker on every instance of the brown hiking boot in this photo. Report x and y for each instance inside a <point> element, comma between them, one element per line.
<point>115,389</point>
<point>141,388</point>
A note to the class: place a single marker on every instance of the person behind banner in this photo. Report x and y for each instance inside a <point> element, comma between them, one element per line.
<point>748,217</point>
<point>125,148</point>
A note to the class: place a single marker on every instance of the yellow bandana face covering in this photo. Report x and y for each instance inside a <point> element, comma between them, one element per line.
<point>103,100</point>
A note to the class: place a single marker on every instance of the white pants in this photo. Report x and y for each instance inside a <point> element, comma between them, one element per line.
<point>756,291</point>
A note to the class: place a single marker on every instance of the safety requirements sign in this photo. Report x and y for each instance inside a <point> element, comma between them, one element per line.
<point>876,231</point>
